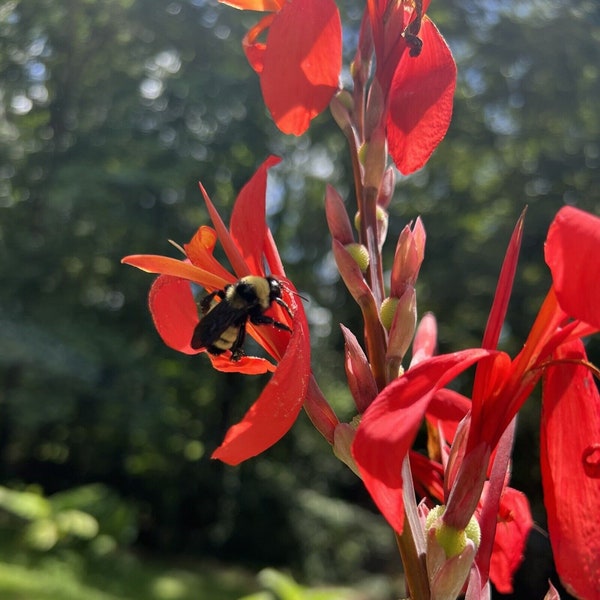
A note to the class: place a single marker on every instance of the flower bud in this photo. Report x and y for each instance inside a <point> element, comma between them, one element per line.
<point>358,372</point>
<point>387,311</point>
<point>337,217</point>
<point>341,107</point>
<point>402,328</point>
<point>381,216</point>
<point>360,254</point>
<point>343,437</point>
<point>386,190</point>
<point>408,257</point>
<point>450,554</point>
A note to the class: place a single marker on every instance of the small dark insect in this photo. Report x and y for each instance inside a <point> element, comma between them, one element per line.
<point>222,326</point>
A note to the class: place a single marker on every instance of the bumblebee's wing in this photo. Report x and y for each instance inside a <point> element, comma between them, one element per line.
<point>217,320</point>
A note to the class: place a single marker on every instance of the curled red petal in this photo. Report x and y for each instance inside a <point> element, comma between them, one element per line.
<point>255,50</point>
<point>420,101</point>
<point>200,253</point>
<point>389,427</point>
<point>572,252</point>
<point>275,411</point>
<point>570,461</point>
<point>301,62</point>
<point>174,312</point>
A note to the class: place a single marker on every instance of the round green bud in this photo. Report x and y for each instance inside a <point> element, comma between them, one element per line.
<point>380,214</point>
<point>387,312</point>
<point>360,255</point>
<point>452,540</point>
<point>473,531</point>
<point>435,513</point>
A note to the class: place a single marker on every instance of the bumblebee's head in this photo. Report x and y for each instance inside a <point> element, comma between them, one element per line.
<point>274,288</point>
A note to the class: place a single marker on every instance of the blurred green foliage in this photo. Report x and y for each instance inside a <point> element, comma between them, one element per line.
<point>91,513</point>
<point>120,576</point>
<point>110,113</point>
<point>283,587</point>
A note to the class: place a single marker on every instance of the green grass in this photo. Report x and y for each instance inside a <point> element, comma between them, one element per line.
<point>69,576</point>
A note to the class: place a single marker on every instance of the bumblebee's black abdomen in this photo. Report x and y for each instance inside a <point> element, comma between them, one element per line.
<point>221,321</point>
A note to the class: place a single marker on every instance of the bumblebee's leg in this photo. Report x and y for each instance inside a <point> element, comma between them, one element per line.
<point>265,320</point>
<point>205,304</point>
<point>285,306</point>
<point>237,350</point>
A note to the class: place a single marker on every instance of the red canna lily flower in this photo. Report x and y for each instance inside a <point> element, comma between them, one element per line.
<point>250,249</point>
<point>299,64</point>
<point>501,386</point>
<point>416,75</point>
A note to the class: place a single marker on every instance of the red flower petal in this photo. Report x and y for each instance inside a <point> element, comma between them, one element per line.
<point>428,476</point>
<point>200,252</point>
<point>425,340</point>
<point>503,291</point>
<point>570,461</point>
<point>260,5</point>
<point>247,225</point>
<point>389,427</point>
<point>512,530</point>
<point>255,51</point>
<point>572,252</point>
<point>275,411</point>
<point>249,365</point>
<point>420,101</point>
<point>177,268</point>
<point>174,312</point>
<point>302,62</point>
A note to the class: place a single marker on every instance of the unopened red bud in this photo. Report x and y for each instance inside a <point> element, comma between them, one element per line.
<point>337,217</point>
<point>402,329</point>
<point>386,189</point>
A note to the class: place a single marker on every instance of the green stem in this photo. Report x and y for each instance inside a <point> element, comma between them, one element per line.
<point>411,542</point>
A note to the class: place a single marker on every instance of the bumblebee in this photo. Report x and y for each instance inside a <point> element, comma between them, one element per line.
<point>222,325</point>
